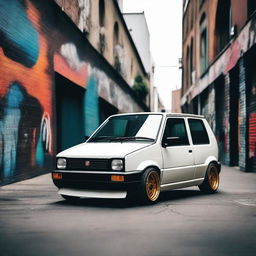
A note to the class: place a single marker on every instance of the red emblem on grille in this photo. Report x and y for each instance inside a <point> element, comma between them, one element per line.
<point>87,163</point>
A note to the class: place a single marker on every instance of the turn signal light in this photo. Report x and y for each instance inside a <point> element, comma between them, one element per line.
<point>118,178</point>
<point>57,176</point>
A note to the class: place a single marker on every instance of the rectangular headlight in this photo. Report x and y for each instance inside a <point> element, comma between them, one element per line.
<point>117,164</point>
<point>61,163</point>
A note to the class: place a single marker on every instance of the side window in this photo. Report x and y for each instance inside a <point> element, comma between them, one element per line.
<point>198,132</point>
<point>175,133</point>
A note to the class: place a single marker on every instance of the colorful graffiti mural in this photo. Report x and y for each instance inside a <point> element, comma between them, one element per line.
<point>25,96</point>
<point>37,45</point>
<point>68,63</point>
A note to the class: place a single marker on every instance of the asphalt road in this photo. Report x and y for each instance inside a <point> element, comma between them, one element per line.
<point>34,220</point>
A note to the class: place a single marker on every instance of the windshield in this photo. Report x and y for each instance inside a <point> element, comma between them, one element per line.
<point>129,128</point>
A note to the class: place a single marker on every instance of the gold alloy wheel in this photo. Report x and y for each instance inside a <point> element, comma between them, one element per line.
<point>213,177</point>
<point>153,186</point>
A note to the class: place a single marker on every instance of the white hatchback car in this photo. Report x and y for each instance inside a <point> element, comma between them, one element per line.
<point>141,155</point>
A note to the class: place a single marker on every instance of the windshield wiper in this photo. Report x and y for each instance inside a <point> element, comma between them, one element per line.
<point>100,138</point>
<point>130,138</point>
<point>117,138</point>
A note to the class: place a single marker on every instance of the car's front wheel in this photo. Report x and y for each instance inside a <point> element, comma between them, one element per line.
<point>150,186</point>
<point>211,180</point>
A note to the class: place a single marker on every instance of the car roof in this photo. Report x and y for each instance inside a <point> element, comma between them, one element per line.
<point>164,114</point>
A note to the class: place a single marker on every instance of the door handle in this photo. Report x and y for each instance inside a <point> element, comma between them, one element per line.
<point>190,151</point>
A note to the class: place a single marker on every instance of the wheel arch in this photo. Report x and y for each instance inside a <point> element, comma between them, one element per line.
<point>213,160</point>
<point>217,164</point>
<point>155,167</point>
<point>149,164</point>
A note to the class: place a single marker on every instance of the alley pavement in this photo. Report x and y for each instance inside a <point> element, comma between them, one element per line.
<point>35,220</point>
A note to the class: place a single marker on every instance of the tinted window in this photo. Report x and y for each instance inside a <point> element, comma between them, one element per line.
<point>198,132</point>
<point>175,132</point>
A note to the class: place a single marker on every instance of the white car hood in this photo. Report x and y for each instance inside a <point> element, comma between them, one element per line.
<point>102,150</point>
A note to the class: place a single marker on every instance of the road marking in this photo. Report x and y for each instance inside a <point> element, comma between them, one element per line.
<point>247,202</point>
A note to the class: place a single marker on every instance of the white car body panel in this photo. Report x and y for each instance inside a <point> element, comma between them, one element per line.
<point>178,164</point>
<point>103,149</point>
<point>143,158</point>
<point>204,154</point>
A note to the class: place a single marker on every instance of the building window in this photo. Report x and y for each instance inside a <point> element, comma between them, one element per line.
<point>187,68</point>
<point>101,12</point>
<point>201,2</point>
<point>203,44</point>
<point>223,24</point>
<point>251,7</point>
<point>185,24</point>
<point>117,48</point>
<point>191,62</point>
<point>116,33</point>
<point>203,50</point>
<point>102,39</point>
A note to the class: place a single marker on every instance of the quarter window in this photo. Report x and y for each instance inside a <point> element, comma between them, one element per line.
<point>175,133</point>
<point>198,132</point>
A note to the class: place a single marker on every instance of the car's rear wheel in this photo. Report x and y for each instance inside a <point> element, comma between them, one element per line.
<point>211,180</point>
<point>150,186</point>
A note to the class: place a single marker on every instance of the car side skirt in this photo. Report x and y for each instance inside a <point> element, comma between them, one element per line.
<point>182,184</point>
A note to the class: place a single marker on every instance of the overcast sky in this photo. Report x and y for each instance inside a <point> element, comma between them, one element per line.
<point>164,18</point>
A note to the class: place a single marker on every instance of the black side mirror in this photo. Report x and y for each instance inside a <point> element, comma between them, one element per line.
<point>170,141</point>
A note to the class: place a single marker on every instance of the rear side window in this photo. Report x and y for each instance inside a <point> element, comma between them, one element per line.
<point>198,132</point>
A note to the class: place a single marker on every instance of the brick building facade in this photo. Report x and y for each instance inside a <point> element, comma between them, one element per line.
<point>104,26</point>
<point>219,81</point>
<point>55,87</point>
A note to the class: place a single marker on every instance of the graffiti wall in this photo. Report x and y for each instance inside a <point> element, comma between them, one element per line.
<point>226,121</point>
<point>208,106</point>
<point>36,41</point>
<point>25,91</point>
<point>242,116</point>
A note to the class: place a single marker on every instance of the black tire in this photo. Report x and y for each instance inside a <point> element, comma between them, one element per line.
<point>211,180</point>
<point>149,188</point>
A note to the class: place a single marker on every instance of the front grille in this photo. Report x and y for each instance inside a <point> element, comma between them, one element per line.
<point>88,164</point>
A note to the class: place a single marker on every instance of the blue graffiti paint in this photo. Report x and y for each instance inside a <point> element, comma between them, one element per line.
<point>43,141</point>
<point>40,151</point>
<point>19,39</point>
<point>91,107</point>
<point>9,128</point>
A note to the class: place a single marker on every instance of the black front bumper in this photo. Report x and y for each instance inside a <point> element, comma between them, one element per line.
<point>97,181</point>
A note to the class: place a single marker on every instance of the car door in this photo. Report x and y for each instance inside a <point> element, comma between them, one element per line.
<point>202,148</point>
<point>177,152</point>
